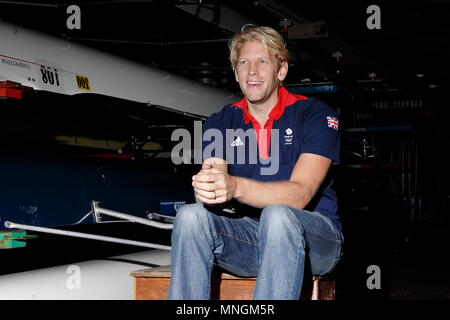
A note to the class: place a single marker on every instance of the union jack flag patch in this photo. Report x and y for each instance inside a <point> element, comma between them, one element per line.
<point>333,123</point>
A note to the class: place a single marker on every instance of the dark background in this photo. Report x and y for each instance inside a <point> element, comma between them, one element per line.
<point>391,97</point>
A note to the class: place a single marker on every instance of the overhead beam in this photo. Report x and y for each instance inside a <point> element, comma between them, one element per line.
<point>219,14</point>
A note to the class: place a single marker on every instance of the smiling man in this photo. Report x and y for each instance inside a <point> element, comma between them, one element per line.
<point>254,224</point>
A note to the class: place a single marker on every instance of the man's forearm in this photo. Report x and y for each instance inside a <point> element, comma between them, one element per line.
<point>261,194</point>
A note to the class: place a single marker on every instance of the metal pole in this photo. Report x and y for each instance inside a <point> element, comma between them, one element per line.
<point>131,218</point>
<point>11,225</point>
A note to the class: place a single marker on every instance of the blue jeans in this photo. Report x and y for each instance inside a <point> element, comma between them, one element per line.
<point>272,248</point>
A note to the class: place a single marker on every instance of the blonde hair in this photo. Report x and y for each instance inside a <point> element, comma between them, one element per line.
<point>270,38</point>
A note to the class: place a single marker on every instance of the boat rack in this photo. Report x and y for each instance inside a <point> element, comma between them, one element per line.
<point>97,211</point>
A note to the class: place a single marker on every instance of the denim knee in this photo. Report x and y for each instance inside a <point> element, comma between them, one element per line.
<point>277,219</point>
<point>190,219</point>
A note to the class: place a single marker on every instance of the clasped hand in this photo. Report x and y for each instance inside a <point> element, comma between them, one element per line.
<point>213,186</point>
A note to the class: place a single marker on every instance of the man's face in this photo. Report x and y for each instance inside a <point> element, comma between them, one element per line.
<point>257,73</point>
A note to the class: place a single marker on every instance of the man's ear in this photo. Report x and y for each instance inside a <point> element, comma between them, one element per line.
<point>283,70</point>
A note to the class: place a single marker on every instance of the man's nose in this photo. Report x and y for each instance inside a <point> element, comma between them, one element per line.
<point>252,68</point>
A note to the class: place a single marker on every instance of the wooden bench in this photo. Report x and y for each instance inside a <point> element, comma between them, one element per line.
<point>153,284</point>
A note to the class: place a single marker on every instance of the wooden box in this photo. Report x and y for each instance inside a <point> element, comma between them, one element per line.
<point>153,284</point>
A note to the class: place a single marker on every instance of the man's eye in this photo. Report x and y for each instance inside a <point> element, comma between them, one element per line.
<point>264,61</point>
<point>243,62</point>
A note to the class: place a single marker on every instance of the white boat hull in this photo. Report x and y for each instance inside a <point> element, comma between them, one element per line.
<point>107,279</point>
